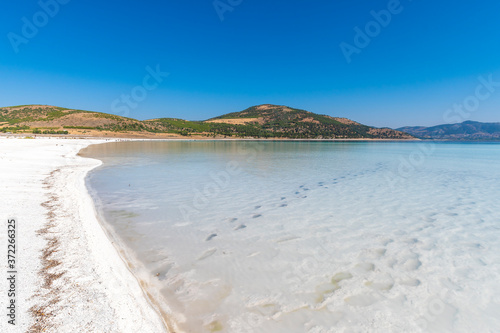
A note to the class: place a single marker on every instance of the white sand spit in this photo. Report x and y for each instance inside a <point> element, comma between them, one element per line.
<point>71,278</point>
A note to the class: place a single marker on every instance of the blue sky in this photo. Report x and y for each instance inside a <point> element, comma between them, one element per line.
<point>89,54</point>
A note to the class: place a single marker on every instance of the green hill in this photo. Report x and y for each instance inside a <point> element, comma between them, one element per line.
<point>285,122</point>
<point>262,121</point>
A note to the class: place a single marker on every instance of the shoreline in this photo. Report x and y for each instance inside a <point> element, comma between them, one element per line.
<point>196,138</point>
<point>127,256</point>
<point>72,277</point>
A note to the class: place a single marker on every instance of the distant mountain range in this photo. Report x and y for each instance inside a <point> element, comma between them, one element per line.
<point>466,131</point>
<point>262,121</point>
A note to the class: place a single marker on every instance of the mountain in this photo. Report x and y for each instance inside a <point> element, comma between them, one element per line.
<point>262,121</point>
<point>466,131</point>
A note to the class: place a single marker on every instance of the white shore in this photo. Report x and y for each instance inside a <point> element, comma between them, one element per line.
<point>70,276</point>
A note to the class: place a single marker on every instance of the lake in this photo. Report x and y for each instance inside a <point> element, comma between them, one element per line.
<point>316,237</point>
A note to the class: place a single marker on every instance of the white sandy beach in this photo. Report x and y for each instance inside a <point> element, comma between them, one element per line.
<point>71,278</point>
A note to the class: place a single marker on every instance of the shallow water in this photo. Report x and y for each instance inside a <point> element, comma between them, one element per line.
<point>310,236</point>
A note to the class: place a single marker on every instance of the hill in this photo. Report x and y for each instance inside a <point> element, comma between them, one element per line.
<point>284,122</point>
<point>263,121</point>
<point>45,119</point>
<point>466,131</point>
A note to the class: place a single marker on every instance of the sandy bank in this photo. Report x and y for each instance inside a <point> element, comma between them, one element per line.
<point>71,278</point>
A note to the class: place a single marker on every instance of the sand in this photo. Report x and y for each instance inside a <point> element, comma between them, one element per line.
<point>71,277</point>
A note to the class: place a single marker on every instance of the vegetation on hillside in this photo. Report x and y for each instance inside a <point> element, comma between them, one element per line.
<point>286,122</point>
<point>264,121</point>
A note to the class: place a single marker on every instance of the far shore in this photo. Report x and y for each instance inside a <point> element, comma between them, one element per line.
<point>154,137</point>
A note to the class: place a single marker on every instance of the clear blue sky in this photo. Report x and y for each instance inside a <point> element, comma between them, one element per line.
<point>282,52</point>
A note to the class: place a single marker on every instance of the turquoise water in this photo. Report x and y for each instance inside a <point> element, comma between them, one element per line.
<point>309,236</point>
